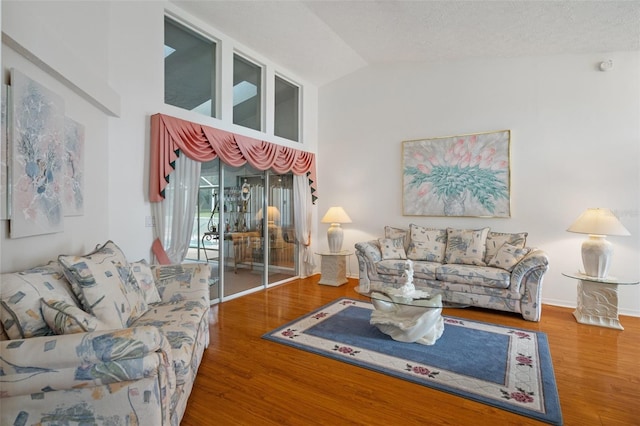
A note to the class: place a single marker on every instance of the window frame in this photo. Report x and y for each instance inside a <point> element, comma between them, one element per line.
<point>299,88</point>
<point>261,90</point>
<point>216,86</point>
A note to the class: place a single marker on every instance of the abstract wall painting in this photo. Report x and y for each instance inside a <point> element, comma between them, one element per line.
<point>4,155</point>
<point>36,163</point>
<point>73,168</point>
<point>463,176</point>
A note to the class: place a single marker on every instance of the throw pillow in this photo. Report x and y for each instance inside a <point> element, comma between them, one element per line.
<point>392,248</point>
<point>108,252</point>
<point>143,275</point>
<point>466,246</point>
<point>405,234</point>
<point>20,299</point>
<point>427,243</point>
<point>64,318</point>
<point>508,256</point>
<point>495,240</point>
<point>104,283</point>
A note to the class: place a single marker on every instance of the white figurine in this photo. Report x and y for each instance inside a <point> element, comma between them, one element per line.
<point>408,288</point>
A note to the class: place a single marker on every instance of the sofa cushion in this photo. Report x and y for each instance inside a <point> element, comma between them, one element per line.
<point>105,285</point>
<point>63,318</point>
<point>427,243</point>
<point>405,234</point>
<point>508,256</point>
<point>495,240</point>
<point>474,275</point>
<point>144,276</point>
<point>466,246</point>
<point>392,248</point>
<point>421,269</point>
<point>179,322</point>
<point>20,299</point>
<point>425,270</point>
<point>109,251</point>
<point>391,267</point>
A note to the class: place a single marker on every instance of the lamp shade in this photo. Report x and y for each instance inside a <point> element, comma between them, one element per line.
<point>336,215</point>
<point>273,214</point>
<point>596,221</point>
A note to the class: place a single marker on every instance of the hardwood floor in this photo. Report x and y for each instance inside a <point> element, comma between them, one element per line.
<point>246,380</point>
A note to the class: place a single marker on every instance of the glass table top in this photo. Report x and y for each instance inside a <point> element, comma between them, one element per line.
<point>608,280</point>
<point>426,298</point>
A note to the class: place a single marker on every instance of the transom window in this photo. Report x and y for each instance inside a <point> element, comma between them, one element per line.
<point>189,69</point>
<point>194,68</point>
<point>287,110</point>
<point>247,93</point>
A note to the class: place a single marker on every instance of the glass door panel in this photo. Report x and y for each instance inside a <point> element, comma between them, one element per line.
<point>281,241</point>
<point>242,198</point>
<point>204,245</point>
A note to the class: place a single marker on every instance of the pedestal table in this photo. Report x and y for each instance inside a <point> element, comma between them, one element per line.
<point>598,300</point>
<point>333,267</point>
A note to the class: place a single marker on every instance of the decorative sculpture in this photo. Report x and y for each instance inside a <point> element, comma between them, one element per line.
<point>407,314</point>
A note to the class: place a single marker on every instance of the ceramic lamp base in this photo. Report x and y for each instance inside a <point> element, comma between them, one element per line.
<point>596,256</point>
<point>334,238</point>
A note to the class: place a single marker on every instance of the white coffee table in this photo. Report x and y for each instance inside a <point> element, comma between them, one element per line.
<point>409,318</point>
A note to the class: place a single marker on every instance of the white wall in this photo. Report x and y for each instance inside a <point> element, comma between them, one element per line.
<point>575,144</point>
<point>122,42</point>
<point>82,232</point>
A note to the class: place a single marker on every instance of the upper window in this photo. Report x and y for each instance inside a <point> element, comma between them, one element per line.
<point>286,110</point>
<point>247,93</point>
<point>189,69</point>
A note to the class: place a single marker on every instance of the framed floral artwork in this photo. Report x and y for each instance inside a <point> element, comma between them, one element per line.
<point>36,116</point>
<point>465,176</point>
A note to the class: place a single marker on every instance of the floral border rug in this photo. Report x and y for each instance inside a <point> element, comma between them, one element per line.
<point>504,367</point>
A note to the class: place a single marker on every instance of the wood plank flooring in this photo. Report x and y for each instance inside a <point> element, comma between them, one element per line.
<point>246,380</point>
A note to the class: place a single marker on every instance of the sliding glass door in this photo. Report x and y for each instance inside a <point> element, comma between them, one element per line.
<point>244,228</point>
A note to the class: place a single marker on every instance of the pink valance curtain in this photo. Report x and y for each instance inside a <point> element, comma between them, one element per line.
<point>171,136</point>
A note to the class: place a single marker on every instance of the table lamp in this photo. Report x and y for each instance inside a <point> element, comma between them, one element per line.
<point>273,216</point>
<point>335,216</point>
<point>596,250</point>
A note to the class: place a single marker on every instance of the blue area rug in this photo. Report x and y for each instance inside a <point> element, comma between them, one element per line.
<point>500,366</point>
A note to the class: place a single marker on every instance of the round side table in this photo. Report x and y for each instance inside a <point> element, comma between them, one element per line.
<point>598,300</point>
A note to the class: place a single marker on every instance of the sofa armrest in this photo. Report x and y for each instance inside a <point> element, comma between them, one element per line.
<point>370,250</point>
<point>535,260</point>
<point>368,254</point>
<point>186,281</point>
<point>48,363</point>
<point>526,278</point>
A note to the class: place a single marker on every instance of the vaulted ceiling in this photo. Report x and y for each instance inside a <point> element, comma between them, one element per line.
<point>321,41</point>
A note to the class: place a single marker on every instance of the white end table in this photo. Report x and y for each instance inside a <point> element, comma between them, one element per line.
<point>333,268</point>
<point>598,300</point>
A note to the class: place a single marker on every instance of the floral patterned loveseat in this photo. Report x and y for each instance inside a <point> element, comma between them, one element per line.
<point>474,267</point>
<point>95,339</point>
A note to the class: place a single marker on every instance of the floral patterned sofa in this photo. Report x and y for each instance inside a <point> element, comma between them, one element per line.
<point>475,267</point>
<point>95,339</point>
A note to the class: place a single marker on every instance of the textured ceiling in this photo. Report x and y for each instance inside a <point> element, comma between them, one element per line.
<point>321,41</point>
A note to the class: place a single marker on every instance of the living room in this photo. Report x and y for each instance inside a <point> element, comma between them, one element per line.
<point>575,132</point>
<point>574,137</point>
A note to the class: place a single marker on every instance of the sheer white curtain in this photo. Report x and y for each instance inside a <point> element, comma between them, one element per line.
<point>302,213</point>
<point>175,215</point>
